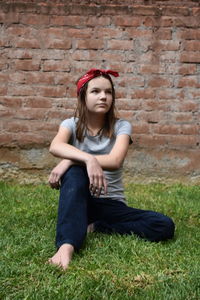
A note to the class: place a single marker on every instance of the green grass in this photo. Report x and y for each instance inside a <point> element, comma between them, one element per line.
<point>108,267</point>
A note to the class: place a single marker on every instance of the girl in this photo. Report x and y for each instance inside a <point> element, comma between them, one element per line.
<point>93,145</point>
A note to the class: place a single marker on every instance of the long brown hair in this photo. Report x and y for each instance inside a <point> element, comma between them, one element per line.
<point>81,113</point>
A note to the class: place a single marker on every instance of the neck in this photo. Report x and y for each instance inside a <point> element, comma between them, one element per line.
<point>95,122</point>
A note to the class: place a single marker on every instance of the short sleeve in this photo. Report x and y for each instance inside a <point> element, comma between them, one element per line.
<point>123,127</point>
<point>69,124</point>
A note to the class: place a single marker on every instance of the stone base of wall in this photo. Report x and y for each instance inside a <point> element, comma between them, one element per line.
<point>33,166</point>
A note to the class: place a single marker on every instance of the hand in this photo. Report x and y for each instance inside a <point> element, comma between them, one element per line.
<point>96,177</point>
<point>57,172</point>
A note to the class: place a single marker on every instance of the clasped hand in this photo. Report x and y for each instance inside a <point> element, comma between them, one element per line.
<point>96,176</point>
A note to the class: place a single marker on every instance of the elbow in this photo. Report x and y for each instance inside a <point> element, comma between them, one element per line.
<point>118,164</point>
<point>52,150</point>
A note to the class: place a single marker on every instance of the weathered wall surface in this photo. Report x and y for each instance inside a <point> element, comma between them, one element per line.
<point>155,45</point>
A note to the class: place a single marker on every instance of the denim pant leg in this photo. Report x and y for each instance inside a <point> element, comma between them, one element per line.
<point>72,210</point>
<point>117,217</point>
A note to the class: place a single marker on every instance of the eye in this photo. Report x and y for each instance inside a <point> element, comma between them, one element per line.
<point>95,91</point>
<point>109,91</point>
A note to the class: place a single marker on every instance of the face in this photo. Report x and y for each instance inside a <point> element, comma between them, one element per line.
<point>99,95</point>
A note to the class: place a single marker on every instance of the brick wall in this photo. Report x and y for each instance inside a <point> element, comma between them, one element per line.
<point>155,45</point>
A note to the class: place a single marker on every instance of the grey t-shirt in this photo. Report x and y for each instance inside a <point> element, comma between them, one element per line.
<point>98,145</point>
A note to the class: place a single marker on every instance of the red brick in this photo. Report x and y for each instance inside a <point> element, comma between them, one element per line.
<point>18,77</point>
<point>22,90</point>
<point>56,65</point>
<point>11,102</point>
<point>132,82</point>
<point>189,34</point>
<point>149,21</point>
<point>67,20</point>
<point>167,57</point>
<point>7,113</point>
<point>110,32</point>
<point>26,43</point>
<point>167,129</point>
<point>192,46</point>
<point>159,82</point>
<point>9,17</point>
<point>120,44</point>
<point>39,78</point>
<point>138,33</point>
<point>188,81</point>
<point>186,22</point>
<point>127,21</point>
<point>4,77</point>
<point>150,141</point>
<point>144,94</point>
<point>175,11</point>
<point>38,102</point>
<point>128,104</point>
<point>163,34</point>
<point>58,44</point>
<point>30,139</point>
<point>90,44</point>
<point>183,141</point>
<point>60,114</point>
<point>190,129</point>
<point>52,32</point>
<point>151,117</point>
<point>187,69</point>
<point>97,21</point>
<point>128,115</point>
<point>16,126</point>
<point>196,11</point>
<point>27,65</point>
<point>194,94</point>
<point>33,19</point>
<point>4,41</point>
<point>48,127</point>
<point>20,53</point>
<point>171,93</point>
<point>189,106</point>
<point>80,20</point>
<point>110,56</point>
<point>52,54</point>
<point>31,114</point>
<point>52,91</point>
<point>152,69</point>
<point>182,117</point>
<point>141,128</point>
<point>120,67</point>
<point>3,90</point>
<point>166,45</point>
<point>79,33</point>
<point>144,10</point>
<point>17,30</point>
<point>6,139</point>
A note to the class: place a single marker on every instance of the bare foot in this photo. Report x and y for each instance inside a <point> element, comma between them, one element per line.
<point>63,256</point>
<point>90,228</point>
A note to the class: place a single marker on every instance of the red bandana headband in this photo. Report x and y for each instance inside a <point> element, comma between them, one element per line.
<point>92,74</point>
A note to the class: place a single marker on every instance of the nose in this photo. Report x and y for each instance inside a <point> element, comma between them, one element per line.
<point>103,95</point>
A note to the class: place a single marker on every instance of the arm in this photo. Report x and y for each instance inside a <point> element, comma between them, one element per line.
<point>58,171</point>
<point>111,161</point>
<point>60,148</point>
<point>115,158</point>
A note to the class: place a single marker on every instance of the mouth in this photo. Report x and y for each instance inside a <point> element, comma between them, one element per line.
<point>102,105</point>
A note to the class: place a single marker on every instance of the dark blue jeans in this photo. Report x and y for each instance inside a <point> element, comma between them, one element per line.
<point>77,208</point>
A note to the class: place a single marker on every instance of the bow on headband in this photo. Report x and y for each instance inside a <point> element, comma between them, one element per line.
<point>92,74</point>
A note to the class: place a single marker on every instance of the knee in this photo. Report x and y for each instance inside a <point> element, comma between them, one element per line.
<point>167,229</point>
<point>75,176</point>
<point>170,228</point>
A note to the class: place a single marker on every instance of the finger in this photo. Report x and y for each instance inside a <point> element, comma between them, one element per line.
<point>105,187</point>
